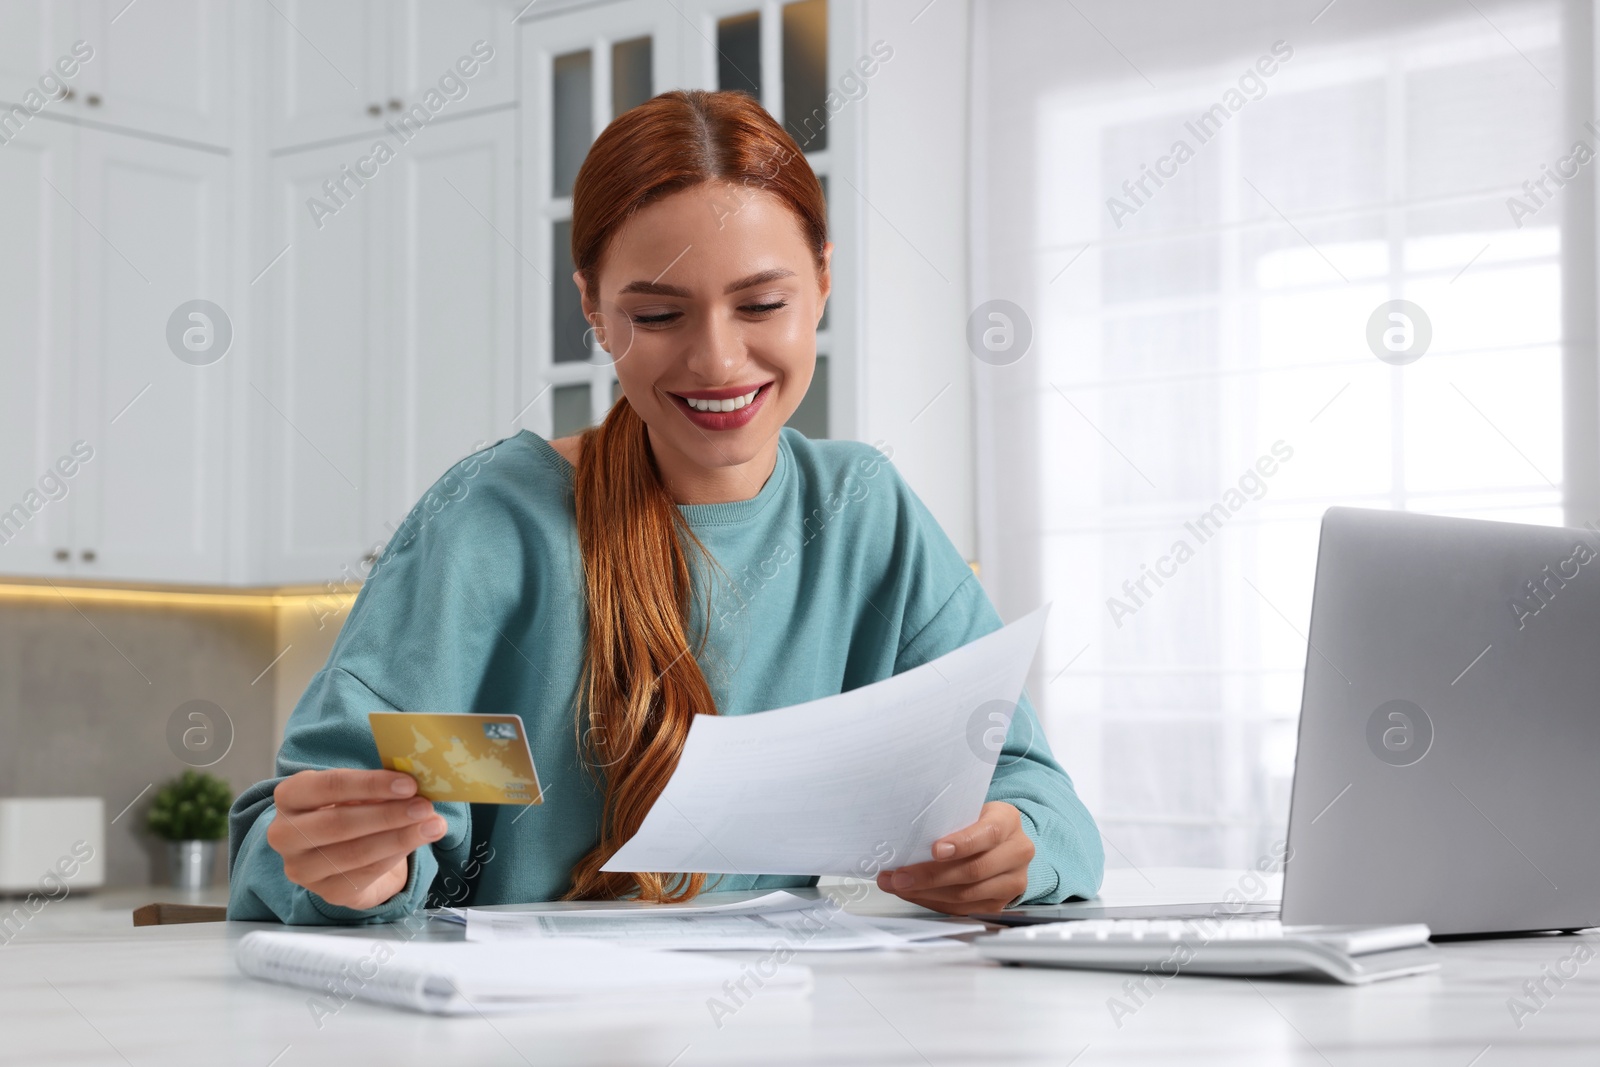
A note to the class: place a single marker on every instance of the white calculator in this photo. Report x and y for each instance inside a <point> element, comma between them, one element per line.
<point>1166,948</point>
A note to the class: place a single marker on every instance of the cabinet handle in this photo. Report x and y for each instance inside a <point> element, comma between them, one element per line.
<point>93,100</point>
<point>62,555</point>
<point>395,105</point>
<point>374,110</point>
<point>87,555</point>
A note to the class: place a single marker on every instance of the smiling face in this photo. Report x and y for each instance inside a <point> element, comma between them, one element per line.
<point>708,302</point>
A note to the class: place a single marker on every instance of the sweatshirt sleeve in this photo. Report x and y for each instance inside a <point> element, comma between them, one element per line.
<point>424,634</point>
<point>328,729</point>
<point>1069,859</point>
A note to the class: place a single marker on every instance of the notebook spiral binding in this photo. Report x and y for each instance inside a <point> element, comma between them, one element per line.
<point>388,980</point>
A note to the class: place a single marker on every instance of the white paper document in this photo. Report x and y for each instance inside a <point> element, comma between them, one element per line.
<point>818,928</point>
<point>777,900</point>
<point>846,785</point>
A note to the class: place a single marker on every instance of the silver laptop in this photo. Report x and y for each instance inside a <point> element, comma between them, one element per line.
<point>1449,760</point>
<point>1448,769</point>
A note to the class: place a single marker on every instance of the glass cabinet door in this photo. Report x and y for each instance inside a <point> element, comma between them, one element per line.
<point>581,69</point>
<point>778,53</point>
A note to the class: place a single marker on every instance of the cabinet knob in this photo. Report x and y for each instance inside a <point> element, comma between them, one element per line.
<point>87,555</point>
<point>93,100</point>
<point>69,94</point>
<point>374,110</point>
<point>395,105</point>
<point>62,555</point>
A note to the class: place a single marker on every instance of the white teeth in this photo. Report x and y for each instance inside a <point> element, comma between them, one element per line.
<point>731,404</point>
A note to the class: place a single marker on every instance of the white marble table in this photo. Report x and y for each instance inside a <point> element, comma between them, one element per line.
<point>81,985</point>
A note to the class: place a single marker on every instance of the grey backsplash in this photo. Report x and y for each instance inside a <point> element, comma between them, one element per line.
<point>87,689</point>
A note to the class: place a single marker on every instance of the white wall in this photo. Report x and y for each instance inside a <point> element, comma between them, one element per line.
<point>913,225</point>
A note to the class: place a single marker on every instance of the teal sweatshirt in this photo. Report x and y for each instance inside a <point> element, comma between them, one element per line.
<point>835,575</point>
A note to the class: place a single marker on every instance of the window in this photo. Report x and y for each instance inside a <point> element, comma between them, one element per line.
<point>1216,360</point>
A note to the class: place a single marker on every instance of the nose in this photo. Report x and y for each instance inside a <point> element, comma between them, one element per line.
<point>716,351</point>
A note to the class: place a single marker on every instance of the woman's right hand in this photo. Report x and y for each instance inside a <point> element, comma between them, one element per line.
<point>345,834</point>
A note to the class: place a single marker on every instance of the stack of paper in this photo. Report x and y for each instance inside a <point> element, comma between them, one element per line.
<point>777,900</point>
<point>778,920</point>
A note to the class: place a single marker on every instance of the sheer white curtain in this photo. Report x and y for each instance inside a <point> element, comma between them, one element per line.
<point>1204,379</point>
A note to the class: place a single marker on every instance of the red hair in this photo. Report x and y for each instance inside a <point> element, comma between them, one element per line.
<point>642,685</point>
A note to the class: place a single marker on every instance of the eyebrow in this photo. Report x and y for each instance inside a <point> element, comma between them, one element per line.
<point>663,289</point>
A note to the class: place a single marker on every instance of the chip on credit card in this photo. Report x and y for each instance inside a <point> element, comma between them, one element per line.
<point>467,758</point>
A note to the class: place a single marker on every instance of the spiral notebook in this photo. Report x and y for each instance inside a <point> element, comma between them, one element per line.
<point>457,978</point>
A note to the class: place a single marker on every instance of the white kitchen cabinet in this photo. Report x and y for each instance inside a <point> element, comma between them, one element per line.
<point>375,352</point>
<point>36,347</point>
<point>323,347</point>
<point>327,69</point>
<point>388,338</point>
<point>122,230</point>
<point>123,223</point>
<point>378,303</point>
<point>160,67</point>
<point>450,363</point>
<point>429,38</point>
<point>36,35</point>
<point>152,236</point>
<point>342,69</point>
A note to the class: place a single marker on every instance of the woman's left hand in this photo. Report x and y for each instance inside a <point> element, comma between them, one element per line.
<point>981,868</point>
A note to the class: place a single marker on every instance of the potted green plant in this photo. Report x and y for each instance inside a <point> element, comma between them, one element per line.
<point>190,812</point>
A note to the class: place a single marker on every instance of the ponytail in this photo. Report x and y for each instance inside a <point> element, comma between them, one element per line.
<point>642,684</point>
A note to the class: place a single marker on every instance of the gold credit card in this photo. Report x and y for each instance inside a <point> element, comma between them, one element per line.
<point>473,759</point>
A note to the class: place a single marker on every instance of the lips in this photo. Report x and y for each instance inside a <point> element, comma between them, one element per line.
<point>731,419</point>
<point>723,392</point>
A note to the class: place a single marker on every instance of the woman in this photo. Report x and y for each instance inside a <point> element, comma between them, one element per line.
<point>688,556</point>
